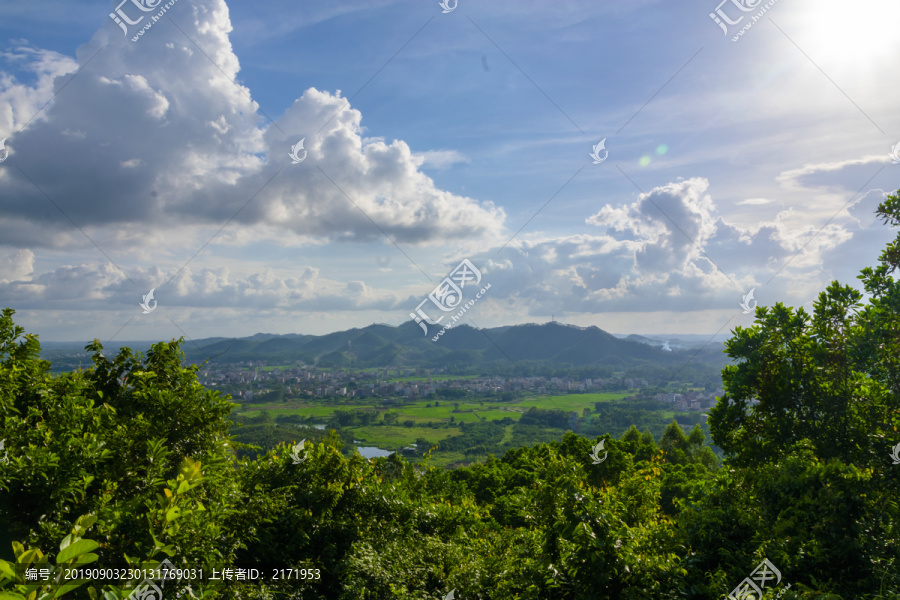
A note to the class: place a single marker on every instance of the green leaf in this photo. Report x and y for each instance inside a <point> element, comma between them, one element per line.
<point>30,556</point>
<point>86,521</point>
<point>7,569</point>
<point>85,559</point>
<point>76,549</point>
<point>11,596</point>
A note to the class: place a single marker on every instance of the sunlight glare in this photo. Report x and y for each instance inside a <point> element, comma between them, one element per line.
<point>842,35</point>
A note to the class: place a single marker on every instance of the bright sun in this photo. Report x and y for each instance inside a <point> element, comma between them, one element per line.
<point>859,35</point>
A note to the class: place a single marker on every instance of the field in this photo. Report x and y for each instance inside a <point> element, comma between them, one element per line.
<point>394,437</point>
<point>571,402</point>
<point>421,412</point>
<point>283,409</point>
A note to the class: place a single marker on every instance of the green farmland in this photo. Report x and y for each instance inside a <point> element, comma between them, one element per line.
<point>420,411</point>
<point>398,427</point>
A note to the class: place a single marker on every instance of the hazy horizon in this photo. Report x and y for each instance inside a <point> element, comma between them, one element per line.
<point>684,336</point>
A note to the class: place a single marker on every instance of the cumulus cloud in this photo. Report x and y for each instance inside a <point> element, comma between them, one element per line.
<point>155,137</point>
<point>20,103</point>
<point>663,251</point>
<point>674,221</point>
<point>15,265</point>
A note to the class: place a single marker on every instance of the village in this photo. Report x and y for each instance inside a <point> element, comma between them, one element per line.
<point>248,381</point>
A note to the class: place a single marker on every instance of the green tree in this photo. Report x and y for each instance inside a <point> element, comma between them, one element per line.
<point>810,411</point>
<point>696,436</point>
<point>830,378</point>
<point>104,442</point>
<point>631,440</point>
<point>675,444</point>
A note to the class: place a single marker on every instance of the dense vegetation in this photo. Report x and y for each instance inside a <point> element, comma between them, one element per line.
<point>131,461</point>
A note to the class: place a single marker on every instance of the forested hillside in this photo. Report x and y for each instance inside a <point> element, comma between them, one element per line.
<point>130,462</point>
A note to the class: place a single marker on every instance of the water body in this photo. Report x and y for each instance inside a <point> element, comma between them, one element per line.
<point>372,451</point>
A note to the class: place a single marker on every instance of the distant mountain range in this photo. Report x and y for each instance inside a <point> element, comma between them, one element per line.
<point>462,346</point>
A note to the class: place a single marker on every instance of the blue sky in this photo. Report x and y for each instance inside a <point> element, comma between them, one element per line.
<point>734,163</point>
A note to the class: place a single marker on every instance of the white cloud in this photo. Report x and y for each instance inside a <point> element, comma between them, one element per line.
<point>691,259</point>
<point>87,287</point>
<point>16,265</point>
<point>442,159</point>
<point>792,179</point>
<point>673,222</point>
<point>162,144</point>
<point>20,103</point>
<point>754,201</point>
